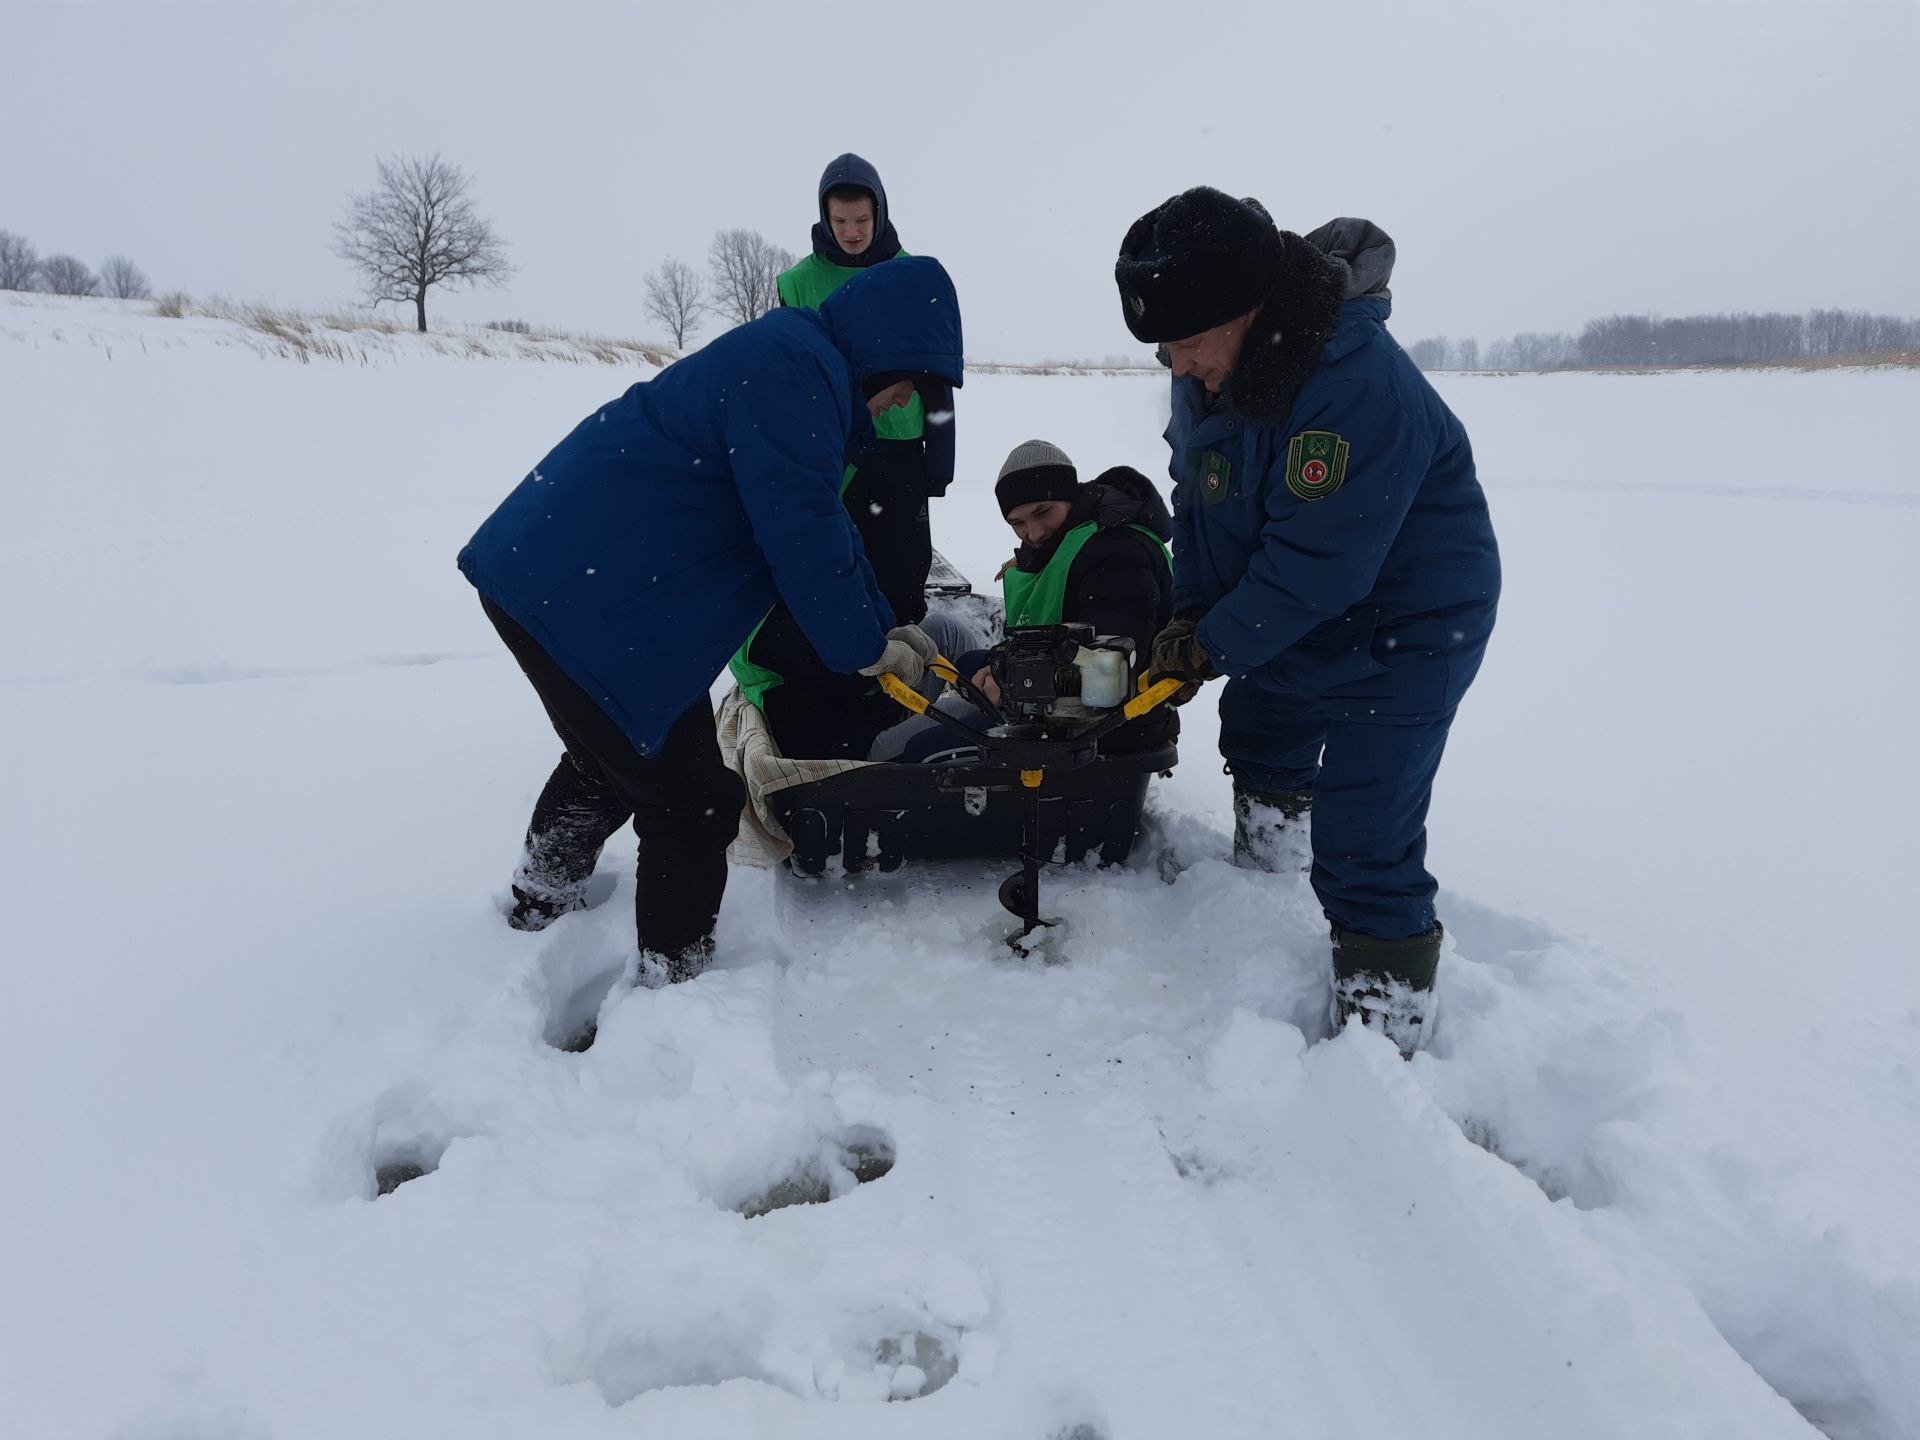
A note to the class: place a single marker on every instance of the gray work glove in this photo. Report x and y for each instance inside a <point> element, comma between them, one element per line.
<point>908,650</point>
<point>921,642</point>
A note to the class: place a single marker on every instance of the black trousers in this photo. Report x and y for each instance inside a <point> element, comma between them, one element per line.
<point>818,713</point>
<point>683,800</point>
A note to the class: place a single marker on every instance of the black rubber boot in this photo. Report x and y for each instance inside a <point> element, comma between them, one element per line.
<point>1272,832</point>
<point>660,968</point>
<point>531,912</point>
<point>1387,983</point>
<point>578,809</point>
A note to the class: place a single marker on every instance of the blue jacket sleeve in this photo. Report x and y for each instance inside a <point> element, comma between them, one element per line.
<point>1319,558</point>
<point>936,397</point>
<point>1186,588</point>
<point>787,434</point>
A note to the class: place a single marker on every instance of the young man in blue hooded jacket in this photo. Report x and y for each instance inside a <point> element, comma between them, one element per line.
<point>1333,558</point>
<point>632,560</point>
<point>906,462</point>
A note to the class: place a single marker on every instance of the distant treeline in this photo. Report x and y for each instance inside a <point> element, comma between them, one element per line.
<point>1649,341</point>
<point>21,268</point>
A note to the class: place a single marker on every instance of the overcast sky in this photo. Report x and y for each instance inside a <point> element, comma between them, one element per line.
<point>1538,163</point>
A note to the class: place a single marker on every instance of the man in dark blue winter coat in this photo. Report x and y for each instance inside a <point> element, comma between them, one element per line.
<point>637,556</point>
<point>1333,558</point>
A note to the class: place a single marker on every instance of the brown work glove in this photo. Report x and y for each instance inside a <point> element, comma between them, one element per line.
<point>1178,654</point>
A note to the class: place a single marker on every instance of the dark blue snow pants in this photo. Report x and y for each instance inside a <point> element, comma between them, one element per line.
<point>1371,775</point>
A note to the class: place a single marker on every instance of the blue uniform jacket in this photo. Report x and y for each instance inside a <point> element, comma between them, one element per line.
<point>1380,592</point>
<point>646,546</point>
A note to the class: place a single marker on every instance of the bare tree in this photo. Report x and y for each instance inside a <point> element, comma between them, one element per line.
<point>124,280</point>
<point>19,263</point>
<point>1535,350</point>
<point>416,229</point>
<point>677,299</point>
<point>745,267</point>
<point>64,275</point>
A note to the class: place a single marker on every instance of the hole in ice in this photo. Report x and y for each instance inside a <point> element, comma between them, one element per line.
<point>396,1170</point>
<point>867,1153</point>
<point>921,1364</point>
<point>810,1186</point>
<point>582,1039</point>
<point>857,1156</point>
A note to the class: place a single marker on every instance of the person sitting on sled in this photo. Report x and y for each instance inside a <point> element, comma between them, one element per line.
<point>1090,553</point>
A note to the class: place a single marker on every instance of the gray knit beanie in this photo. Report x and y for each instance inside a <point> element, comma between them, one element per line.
<point>1035,471</point>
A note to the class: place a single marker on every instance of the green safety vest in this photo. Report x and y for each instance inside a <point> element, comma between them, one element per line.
<point>803,288</point>
<point>1039,597</point>
<point>753,678</point>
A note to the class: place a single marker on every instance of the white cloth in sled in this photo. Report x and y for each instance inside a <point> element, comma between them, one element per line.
<point>746,744</point>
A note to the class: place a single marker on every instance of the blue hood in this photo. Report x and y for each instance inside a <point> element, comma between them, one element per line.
<point>850,169</point>
<point>900,316</point>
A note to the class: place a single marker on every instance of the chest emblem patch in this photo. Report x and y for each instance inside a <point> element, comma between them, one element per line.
<point>1216,477</point>
<point>1316,464</point>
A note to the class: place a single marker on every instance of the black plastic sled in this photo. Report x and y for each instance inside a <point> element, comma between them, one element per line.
<point>881,816</point>
<point>1042,790</point>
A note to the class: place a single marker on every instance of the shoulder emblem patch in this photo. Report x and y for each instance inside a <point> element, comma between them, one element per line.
<point>1216,477</point>
<point>1316,464</point>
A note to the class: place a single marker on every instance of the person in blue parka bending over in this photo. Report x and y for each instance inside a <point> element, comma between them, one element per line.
<point>1333,558</point>
<point>634,559</point>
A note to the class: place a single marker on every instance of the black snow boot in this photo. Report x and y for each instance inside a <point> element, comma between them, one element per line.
<point>531,912</point>
<point>1272,832</point>
<point>669,967</point>
<point>1387,983</point>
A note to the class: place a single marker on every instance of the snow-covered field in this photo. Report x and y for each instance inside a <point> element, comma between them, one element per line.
<point>264,772</point>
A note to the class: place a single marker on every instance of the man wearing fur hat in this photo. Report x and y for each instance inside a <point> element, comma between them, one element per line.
<point>1333,559</point>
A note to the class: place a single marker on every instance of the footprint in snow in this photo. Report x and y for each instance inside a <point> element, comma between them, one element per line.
<point>396,1137</point>
<point>904,1362</point>
<point>856,1156</point>
<point>576,974</point>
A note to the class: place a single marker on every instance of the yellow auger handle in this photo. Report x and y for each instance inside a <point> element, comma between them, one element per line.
<point>912,698</point>
<point>903,692</point>
<point>1150,696</point>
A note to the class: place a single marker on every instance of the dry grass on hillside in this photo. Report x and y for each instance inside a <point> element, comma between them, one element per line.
<point>1867,359</point>
<point>996,367</point>
<point>359,337</point>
